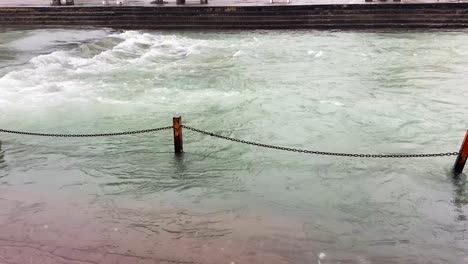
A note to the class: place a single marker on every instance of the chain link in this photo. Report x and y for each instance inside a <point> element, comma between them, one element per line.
<point>356,155</point>
<point>85,135</point>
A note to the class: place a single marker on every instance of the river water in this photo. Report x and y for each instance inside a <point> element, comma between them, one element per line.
<point>129,199</point>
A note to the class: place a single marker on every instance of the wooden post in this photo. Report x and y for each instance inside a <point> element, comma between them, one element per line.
<point>180,2</point>
<point>462,157</point>
<point>178,143</point>
<point>54,2</point>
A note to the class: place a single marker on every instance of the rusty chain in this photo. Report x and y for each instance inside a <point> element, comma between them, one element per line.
<point>85,135</point>
<point>356,155</point>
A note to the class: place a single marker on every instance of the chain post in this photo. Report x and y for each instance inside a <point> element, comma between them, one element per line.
<point>462,157</point>
<point>178,143</point>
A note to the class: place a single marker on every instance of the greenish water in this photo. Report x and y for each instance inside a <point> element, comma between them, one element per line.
<point>364,92</point>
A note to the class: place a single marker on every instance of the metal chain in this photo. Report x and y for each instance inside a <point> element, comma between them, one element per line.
<point>85,135</point>
<point>357,155</point>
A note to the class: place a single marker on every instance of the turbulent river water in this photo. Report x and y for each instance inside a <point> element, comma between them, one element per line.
<point>129,199</point>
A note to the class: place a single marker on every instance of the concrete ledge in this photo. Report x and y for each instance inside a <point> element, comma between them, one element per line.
<point>339,16</point>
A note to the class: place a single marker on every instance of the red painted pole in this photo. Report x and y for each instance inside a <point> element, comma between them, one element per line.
<point>462,156</point>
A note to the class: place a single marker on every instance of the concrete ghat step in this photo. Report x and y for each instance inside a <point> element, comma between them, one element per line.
<point>298,23</point>
<point>342,12</point>
<point>233,9</point>
<point>282,8</point>
<point>221,17</point>
<point>363,26</point>
<point>104,12</point>
<point>340,16</point>
<point>233,18</point>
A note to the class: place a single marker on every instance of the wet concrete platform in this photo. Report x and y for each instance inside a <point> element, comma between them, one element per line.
<point>42,3</point>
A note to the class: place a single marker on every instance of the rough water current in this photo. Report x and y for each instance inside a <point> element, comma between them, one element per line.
<point>129,199</point>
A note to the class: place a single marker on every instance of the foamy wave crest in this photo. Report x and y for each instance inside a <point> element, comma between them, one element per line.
<point>138,48</point>
<point>132,48</point>
<point>120,68</point>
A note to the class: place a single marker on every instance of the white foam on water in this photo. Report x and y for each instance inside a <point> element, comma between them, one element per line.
<point>237,53</point>
<point>321,258</point>
<point>135,61</point>
<point>331,102</point>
